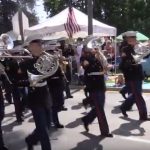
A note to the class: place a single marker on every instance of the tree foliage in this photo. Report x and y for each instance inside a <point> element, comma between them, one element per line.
<point>123,14</point>
<point>9,7</point>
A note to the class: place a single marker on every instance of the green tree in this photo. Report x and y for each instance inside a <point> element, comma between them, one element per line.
<point>123,14</point>
<point>55,6</point>
<point>9,7</point>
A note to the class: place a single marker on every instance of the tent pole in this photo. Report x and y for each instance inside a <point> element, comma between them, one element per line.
<point>90,17</point>
<point>21,24</point>
<point>20,21</point>
<point>115,39</point>
<point>70,4</point>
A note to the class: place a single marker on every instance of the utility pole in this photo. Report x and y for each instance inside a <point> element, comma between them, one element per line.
<point>90,17</point>
<point>70,3</point>
<point>20,21</point>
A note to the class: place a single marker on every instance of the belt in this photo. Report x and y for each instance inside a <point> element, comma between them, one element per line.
<point>95,73</point>
<point>40,84</point>
<point>53,78</point>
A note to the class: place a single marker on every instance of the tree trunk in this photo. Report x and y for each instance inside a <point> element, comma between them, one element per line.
<point>6,24</point>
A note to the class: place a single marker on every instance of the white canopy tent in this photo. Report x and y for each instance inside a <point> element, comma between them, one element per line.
<point>54,26</point>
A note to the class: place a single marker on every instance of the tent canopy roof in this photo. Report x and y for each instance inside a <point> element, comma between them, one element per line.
<point>56,24</point>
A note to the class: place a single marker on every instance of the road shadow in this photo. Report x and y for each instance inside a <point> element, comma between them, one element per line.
<point>93,143</point>
<point>12,114</point>
<point>6,104</point>
<point>121,101</point>
<point>116,110</point>
<point>31,120</point>
<point>76,107</point>
<point>74,124</point>
<point>15,140</point>
<point>26,116</point>
<point>84,113</point>
<point>9,127</point>
<point>126,129</point>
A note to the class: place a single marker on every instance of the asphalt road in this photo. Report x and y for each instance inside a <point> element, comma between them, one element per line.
<point>129,133</point>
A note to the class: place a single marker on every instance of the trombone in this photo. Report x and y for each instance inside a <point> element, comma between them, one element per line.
<point>16,57</point>
<point>9,53</point>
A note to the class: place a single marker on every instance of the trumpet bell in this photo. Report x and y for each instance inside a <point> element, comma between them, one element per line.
<point>93,42</point>
<point>7,41</point>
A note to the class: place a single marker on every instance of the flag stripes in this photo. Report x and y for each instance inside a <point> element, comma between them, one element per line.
<point>71,26</point>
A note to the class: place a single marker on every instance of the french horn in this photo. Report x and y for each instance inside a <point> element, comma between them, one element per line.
<point>46,65</point>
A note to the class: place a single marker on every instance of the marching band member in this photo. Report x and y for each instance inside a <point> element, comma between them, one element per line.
<point>2,80</point>
<point>94,80</point>
<point>129,38</point>
<point>56,87</point>
<point>12,67</point>
<point>6,87</point>
<point>133,74</point>
<point>132,44</point>
<point>67,52</point>
<point>38,98</point>
<point>5,43</point>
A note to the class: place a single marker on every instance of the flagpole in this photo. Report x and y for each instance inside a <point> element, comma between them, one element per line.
<point>90,17</point>
<point>70,4</point>
<point>20,21</point>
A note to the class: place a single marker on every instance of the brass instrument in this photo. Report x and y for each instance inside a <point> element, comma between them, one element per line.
<point>93,42</point>
<point>46,65</point>
<point>96,43</point>
<point>16,57</point>
<point>6,41</point>
<point>141,52</point>
<point>138,58</point>
<point>7,49</point>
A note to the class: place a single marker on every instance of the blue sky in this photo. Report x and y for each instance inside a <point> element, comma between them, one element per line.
<point>40,10</point>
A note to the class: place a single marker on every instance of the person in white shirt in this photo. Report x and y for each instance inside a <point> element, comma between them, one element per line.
<point>78,53</point>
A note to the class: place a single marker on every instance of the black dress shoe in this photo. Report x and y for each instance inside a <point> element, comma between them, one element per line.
<point>123,112</point>
<point>59,126</point>
<point>64,108</point>
<point>29,146</point>
<point>107,135</point>
<point>85,125</point>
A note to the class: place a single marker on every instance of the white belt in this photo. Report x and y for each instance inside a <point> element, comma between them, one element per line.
<point>41,84</point>
<point>95,73</point>
<point>55,78</point>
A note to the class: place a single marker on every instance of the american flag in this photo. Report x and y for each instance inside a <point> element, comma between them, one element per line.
<point>71,26</point>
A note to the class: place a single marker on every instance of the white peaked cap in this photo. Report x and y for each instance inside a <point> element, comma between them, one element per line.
<point>130,34</point>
